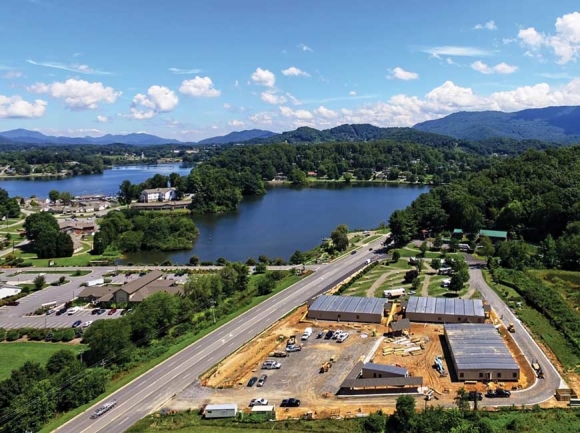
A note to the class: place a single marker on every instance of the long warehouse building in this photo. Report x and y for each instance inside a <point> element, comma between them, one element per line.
<point>479,353</point>
<point>347,309</point>
<point>444,310</point>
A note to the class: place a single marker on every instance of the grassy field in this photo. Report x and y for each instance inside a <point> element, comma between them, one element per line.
<point>188,339</point>
<point>539,325</point>
<point>14,355</point>
<point>565,282</point>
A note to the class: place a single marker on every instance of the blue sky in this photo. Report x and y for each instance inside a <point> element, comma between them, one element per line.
<point>193,69</point>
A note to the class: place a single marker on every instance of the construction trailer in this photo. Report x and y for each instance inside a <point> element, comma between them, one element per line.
<point>347,309</point>
<point>270,411</point>
<point>444,310</point>
<point>479,353</point>
<point>394,293</point>
<point>226,410</point>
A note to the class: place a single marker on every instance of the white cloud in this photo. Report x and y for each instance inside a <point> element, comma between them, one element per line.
<point>236,123</point>
<point>500,68</point>
<point>490,25</point>
<point>399,73</point>
<point>263,118</point>
<point>296,114</point>
<point>352,93</point>
<point>565,42</point>
<point>264,77</point>
<point>102,119</point>
<point>78,94</point>
<point>272,98</point>
<point>305,48</point>
<point>75,67</point>
<point>236,84</point>
<point>295,72</point>
<point>179,71</point>
<point>159,99</point>
<point>457,51</point>
<point>10,75</point>
<point>199,86</point>
<point>293,99</point>
<point>14,107</point>
<point>326,113</point>
<point>227,106</point>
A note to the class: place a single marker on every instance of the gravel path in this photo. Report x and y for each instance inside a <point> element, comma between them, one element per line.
<point>371,291</point>
<point>425,288</point>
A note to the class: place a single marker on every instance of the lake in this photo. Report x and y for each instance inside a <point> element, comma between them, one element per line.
<point>286,220</point>
<point>283,221</point>
<point>106,183</point>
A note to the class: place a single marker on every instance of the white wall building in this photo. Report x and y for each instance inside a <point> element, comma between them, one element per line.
<point>158,194</point>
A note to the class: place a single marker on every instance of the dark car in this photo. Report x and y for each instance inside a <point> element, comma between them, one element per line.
<point>61,311</point>
<point>320,334</point>
<point>101,311</point>
<point>353,252</point>
<point>77,324</point>
<point>498,393</point>
<point>95,311</point>
<point>472,394</point>
<point>112,311</point>
<point>290,402</point>
<point>262,380</point>
<point>252,381</point>
<point>329,335</point>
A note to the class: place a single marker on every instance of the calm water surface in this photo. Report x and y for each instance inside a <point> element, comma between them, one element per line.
<point>286,220</point>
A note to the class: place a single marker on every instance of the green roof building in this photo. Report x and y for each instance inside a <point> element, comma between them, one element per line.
<point>493,234</point>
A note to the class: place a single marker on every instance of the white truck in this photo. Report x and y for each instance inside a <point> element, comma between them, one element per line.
<point>306,334</point>
<point>394,293</point>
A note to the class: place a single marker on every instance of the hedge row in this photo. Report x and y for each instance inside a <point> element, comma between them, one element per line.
<point>354,279</point>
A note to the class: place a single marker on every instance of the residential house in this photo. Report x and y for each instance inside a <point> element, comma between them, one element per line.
<point>158,194</point>
<point>77,227</point>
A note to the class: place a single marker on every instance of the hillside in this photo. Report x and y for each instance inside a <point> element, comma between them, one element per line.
<point>552,124</point>
<point>238,137</point>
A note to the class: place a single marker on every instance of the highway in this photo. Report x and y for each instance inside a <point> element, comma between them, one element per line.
<point>158,385</point>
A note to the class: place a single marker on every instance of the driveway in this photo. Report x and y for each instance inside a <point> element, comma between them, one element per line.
<point>543,389</point>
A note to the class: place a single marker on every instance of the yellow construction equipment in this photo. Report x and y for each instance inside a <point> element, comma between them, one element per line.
<point>325,366</point>
<point>511,328</point>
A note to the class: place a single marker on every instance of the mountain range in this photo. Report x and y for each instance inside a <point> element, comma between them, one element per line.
<point>552,124</point>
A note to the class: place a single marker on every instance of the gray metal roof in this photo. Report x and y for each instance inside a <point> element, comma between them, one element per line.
<point>222,406</point>
<point>445,306</point>
<point>348,304</point>
<point>393,369</point>
<point>400,324</point>
<point>353,381</point>
<point>478,346</point>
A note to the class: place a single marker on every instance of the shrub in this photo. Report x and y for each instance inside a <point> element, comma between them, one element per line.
<point>57,335</point>
<point>23,332</point>
<point>37,334</point>
<point>68,335</point>
<point>2,334</point>
<point>12,335</point>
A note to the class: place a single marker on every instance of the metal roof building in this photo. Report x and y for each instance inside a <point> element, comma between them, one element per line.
<point>479,353</point>
<point>356,383</point>
<point>347,309</point>
<point>444,310</point>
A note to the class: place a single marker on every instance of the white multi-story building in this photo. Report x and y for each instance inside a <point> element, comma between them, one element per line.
<point>158,194</point>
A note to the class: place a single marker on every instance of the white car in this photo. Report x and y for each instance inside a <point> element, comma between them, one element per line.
<point>73,311</point>
<point>259,402</point>
<point>87,323</point>
<point>271,365</point>
<point>293,348</point>
<point>342,337</point>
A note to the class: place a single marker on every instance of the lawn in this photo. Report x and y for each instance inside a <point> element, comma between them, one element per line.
<point>14,355</point>
<point>565,282</point>
<point>79,260</point>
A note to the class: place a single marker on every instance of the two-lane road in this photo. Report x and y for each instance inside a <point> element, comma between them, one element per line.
<point>158,385</point>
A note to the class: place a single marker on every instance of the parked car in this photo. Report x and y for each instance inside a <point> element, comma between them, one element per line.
<point>49,312</point>
<point>293,348</point>
<point>271,365</point>
<point>252,381</point>
<point>336,334</point>
<point>112,311</point>
<point>127,311</point>
<point>95,311</point>
<point>498,393</point>
<point>342,337</point>
<point>101,311</point>
<point>290,402</point>
<point>328,335</point>
<point>87,323</point>
<point>73,310</point>
<point>321,334</point>
<point>61,311</point>
<point>473,394</point>
<point>77,324</point>
<point>262,380</point>
<point>258,402</point>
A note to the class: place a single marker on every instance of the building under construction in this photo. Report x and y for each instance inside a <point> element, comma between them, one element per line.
<point>479,353</point>
<point>347,309</point>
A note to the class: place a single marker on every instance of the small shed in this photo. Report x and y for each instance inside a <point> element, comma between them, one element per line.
<point>269,410</point>
<point>226,410</point>
<point>494,235</point>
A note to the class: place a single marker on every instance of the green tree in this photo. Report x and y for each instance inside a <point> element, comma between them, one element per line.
<point>64,246</point>
<point>402,226</point>
<point>39,282</point>
<point>461,400</point>
<point>66,198</point>
<point>261,268</point>
<point>53,195</point>
<point>100,243</point>
<point>548,252</point>
<point>251,261</point>
<point>396,256</point>
<point>438,242</point>
<point>375,422</point>
<point>436,263</point>
<point>125,194</point>
<point>298,177</point>
<point>9,207</point>
<point>347,177</point>
<point>32,408</point>
<point>109,342</point>
<point>404,419</point>
<point>486,248</point>
<point>38,223</point>
<point>61,360</point>
<point>264,259</point>
<point>340,238</point>
<point>194,261</point>
<point>266,285</point>
<point>423,248</point>
<point>154,316</point>
<point>297,258</point>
